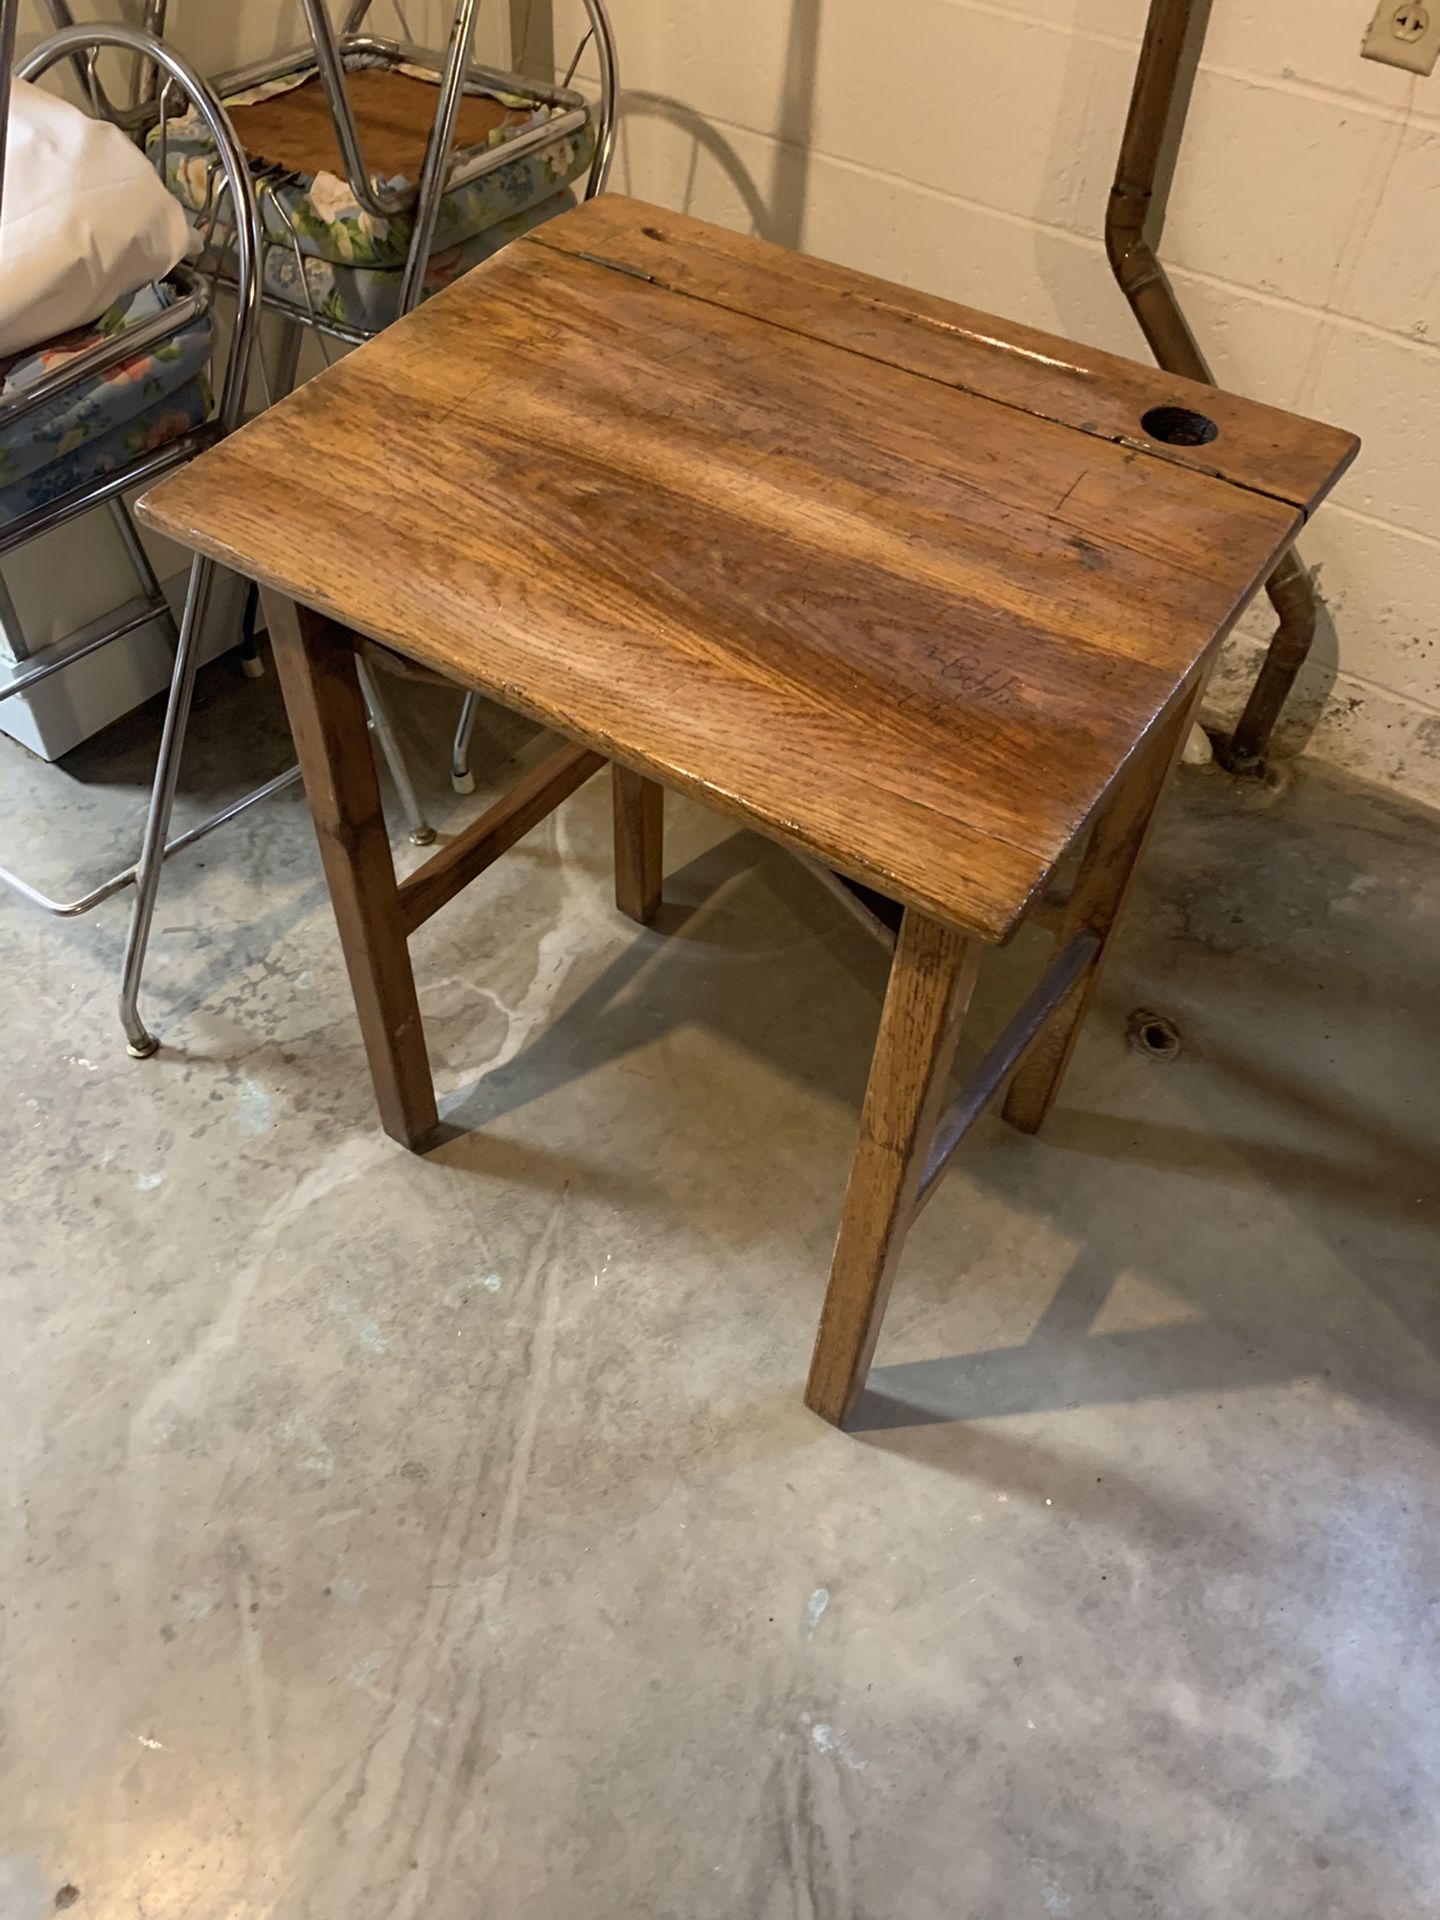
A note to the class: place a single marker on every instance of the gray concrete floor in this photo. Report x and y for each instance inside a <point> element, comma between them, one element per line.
<point>393,1537</point>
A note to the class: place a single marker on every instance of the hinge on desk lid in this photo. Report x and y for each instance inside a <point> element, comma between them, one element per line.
<point>616,266</point>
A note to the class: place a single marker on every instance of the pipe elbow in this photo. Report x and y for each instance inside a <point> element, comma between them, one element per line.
<point>1132,260</point>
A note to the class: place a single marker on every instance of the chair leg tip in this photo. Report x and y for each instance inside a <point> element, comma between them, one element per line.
<point>252,667</point>
<point>463,782</point>
<point>422,837</point>
<point>142,1048</point>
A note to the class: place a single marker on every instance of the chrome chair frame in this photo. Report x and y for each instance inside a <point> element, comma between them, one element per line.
<point>441,170</point>
<point>82,44</point>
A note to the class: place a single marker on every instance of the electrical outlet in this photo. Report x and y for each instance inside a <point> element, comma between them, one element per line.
<point>1405,33</point>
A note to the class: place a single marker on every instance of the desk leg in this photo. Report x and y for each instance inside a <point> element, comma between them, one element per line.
<point>327,717</point>
<point>931,980</point>
<point>1101,886</point>
<point>639,842</point>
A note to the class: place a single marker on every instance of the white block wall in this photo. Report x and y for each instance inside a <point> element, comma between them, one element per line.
<point>967,146</point>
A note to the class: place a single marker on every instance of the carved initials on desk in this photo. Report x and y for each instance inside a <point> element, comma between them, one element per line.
<point>993,686</point>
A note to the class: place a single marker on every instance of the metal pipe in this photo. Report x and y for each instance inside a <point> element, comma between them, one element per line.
<point>69,45</point>
<point>117,882</point>
<point>381,202</point>
<point>140,566</point>
<point>147,78</point>
<point>56,660</point>
<point>435,171</point>
<point>12,635</point>
<point>461,778</point>
<point>139,1040</point>
<point>82,59</point>
<point>609,63</point>
<point>383,727</point>
<point>1134,224</point>
<point>15,534</point>
<point>9,17</point>
<point>302,61</point>
<point>1135,217</point>
<point>1292,595</point>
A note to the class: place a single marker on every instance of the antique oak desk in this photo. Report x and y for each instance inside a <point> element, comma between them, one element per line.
<point>920,593</point>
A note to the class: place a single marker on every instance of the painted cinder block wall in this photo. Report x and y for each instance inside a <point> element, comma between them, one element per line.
<point>967,146</point>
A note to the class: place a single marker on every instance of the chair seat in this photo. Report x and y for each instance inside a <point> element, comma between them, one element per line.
<point>131,408</point>
<point>366,299</point>
<point>309,206</point>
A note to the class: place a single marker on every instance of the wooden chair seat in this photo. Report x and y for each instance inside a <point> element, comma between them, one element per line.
<point>394,115</point>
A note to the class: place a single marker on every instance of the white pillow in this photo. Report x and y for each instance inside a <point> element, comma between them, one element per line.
<point>84,220</point>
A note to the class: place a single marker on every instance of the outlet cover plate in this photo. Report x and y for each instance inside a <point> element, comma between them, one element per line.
<point>1404,33</point>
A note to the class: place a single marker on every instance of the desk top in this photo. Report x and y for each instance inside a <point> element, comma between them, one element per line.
<point>894,581</point>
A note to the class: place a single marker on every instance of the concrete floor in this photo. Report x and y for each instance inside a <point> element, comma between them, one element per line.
<point>390,1537</point>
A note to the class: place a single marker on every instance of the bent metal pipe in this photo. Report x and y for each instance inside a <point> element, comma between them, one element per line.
<point>1134,222</point>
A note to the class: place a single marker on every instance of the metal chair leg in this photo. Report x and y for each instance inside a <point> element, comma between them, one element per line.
<point>461,778</point>
<point>12,634</point>
<point>286,365</point>
<point>140,1041</point>
<point>140,566</point>
<point>251,665</point>
<point>421,832</point>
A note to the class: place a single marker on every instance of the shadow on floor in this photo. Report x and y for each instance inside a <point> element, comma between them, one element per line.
<point>1276,1154</point>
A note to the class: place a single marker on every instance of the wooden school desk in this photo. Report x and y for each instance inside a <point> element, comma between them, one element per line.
<point>923,594</point>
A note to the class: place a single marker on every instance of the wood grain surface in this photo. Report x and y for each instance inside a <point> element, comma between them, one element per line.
<point>1297,460</point>
<point>394,114</point>
<point>913,627</point>
<point>481,844</point>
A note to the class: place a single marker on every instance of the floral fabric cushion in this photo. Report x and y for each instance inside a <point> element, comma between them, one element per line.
<point>319,213</point>
<point>93,459</point>
<point>367,299</point>
<point>87,431</point>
